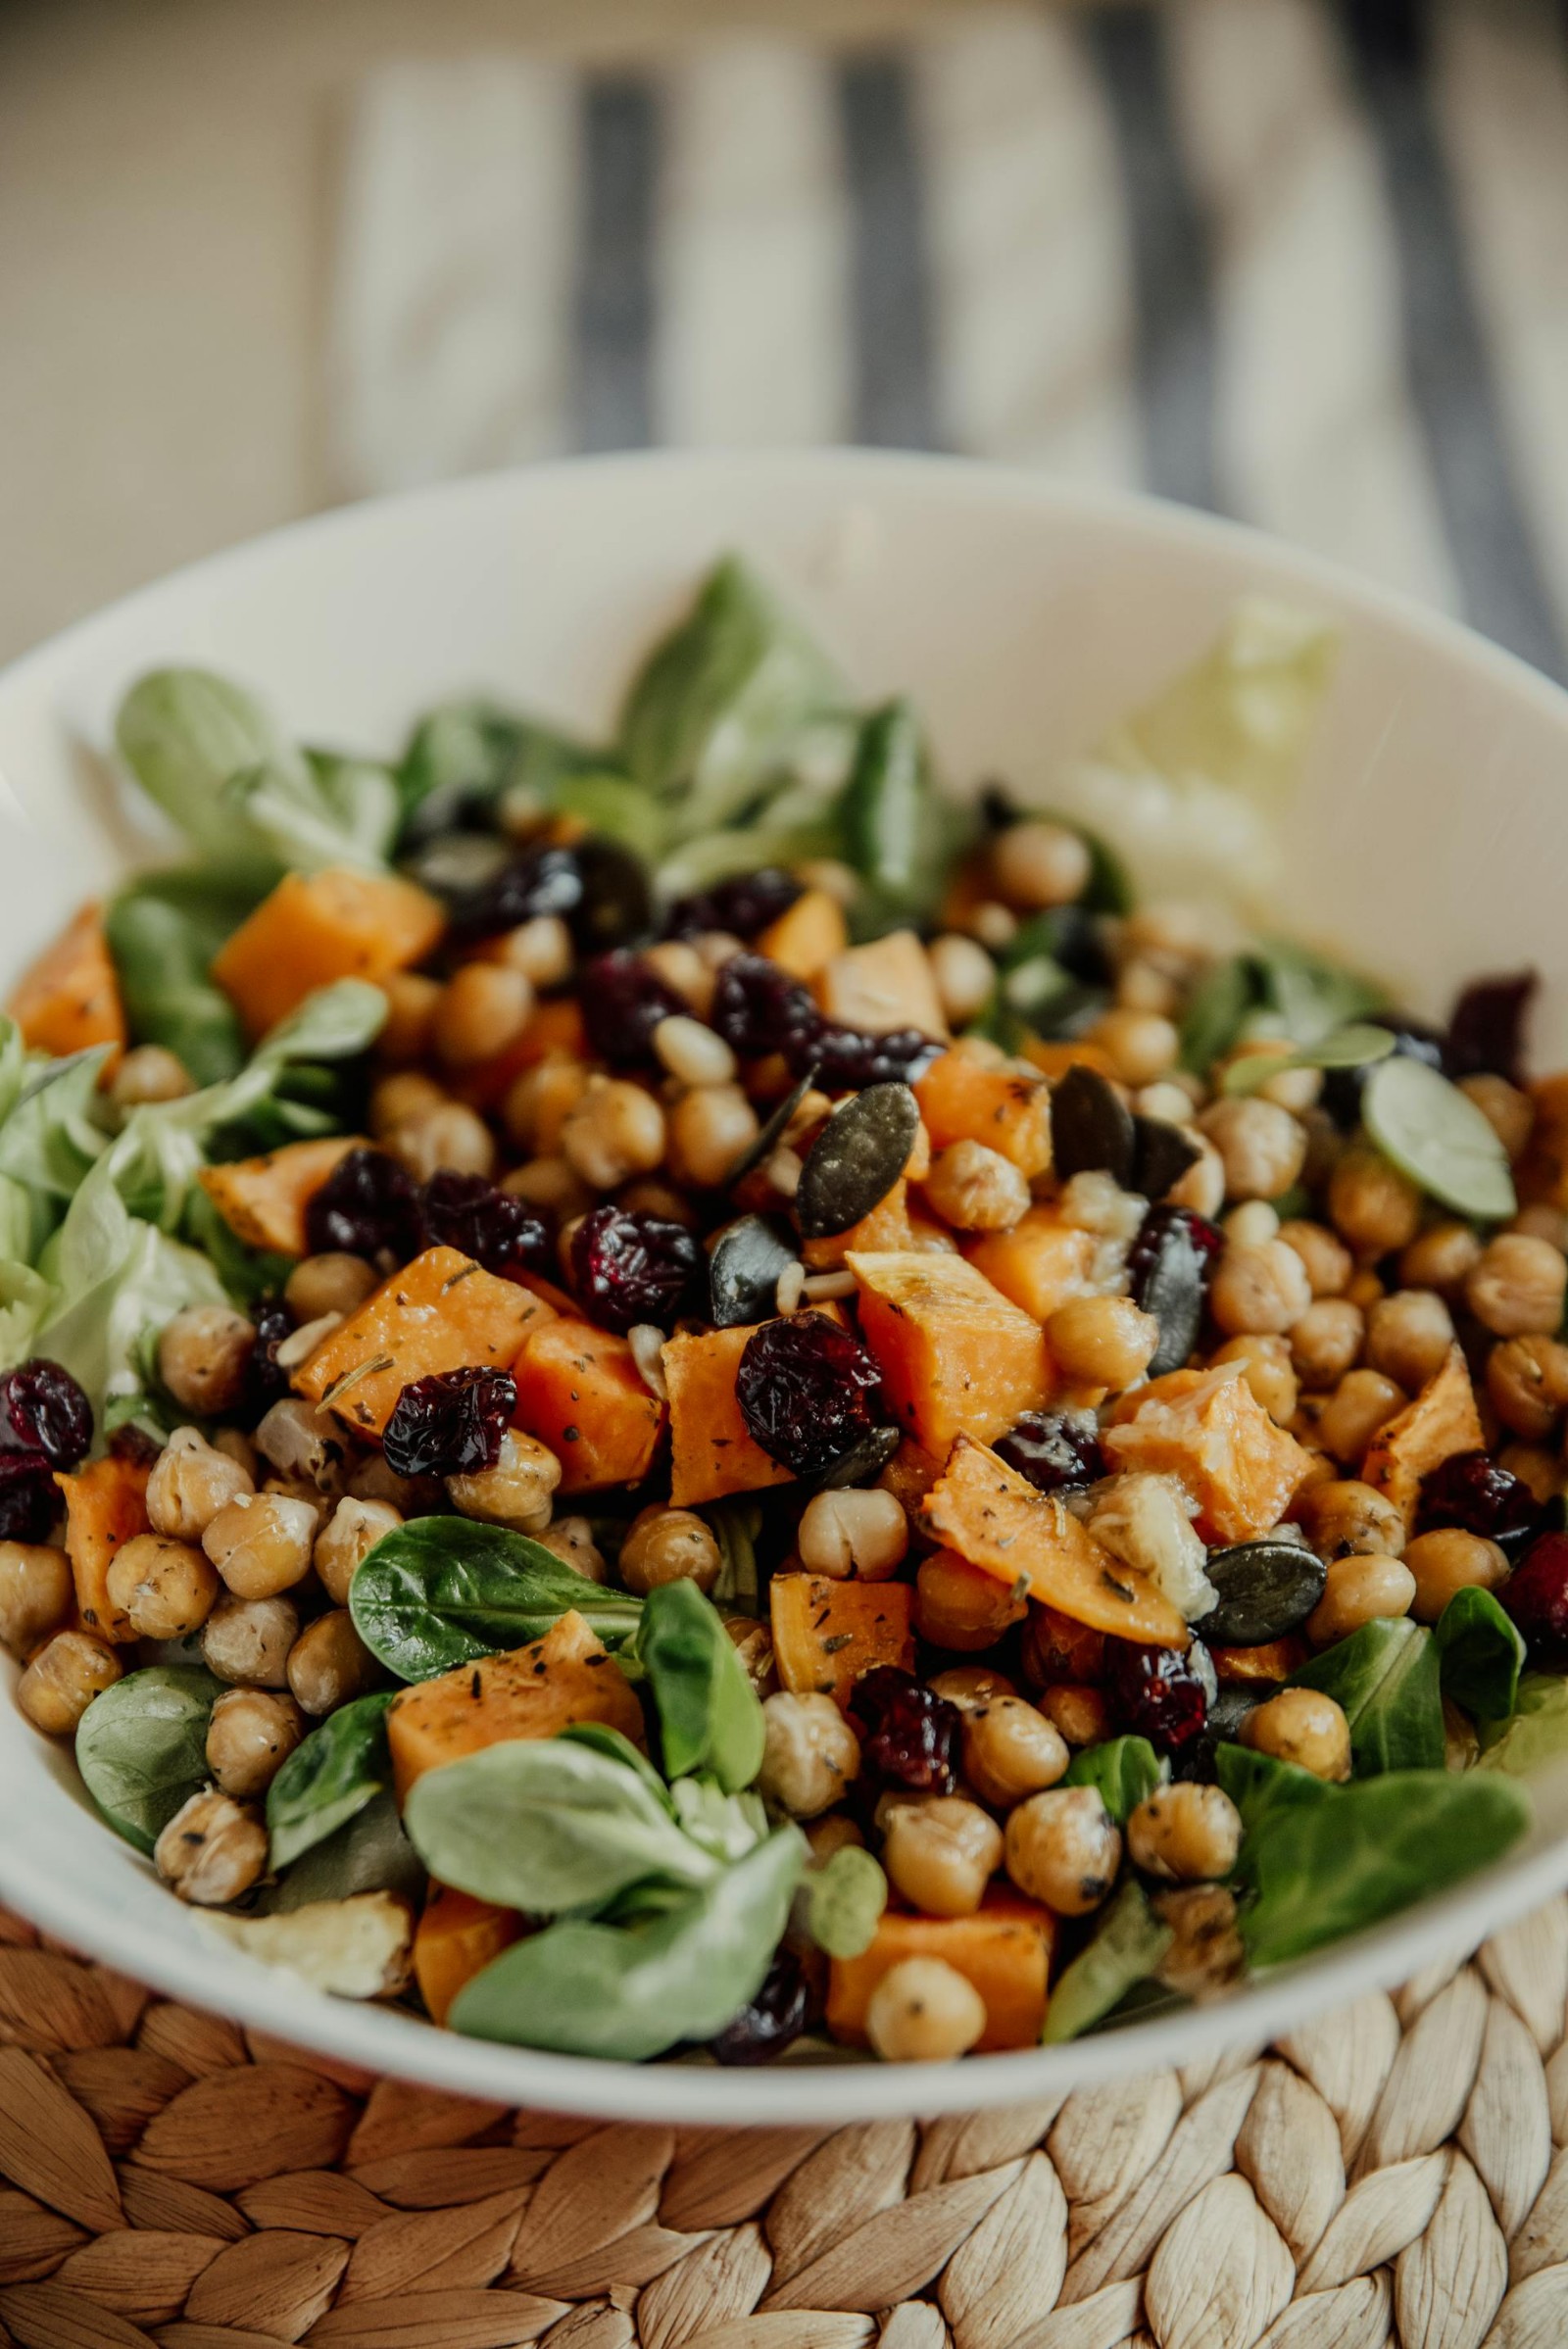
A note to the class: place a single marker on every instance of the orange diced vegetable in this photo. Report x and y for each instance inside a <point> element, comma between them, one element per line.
<point>455,1939</point>
<point>1168,1389</point>
<point>996,1519</point>
<point>826,1633</point>
<point>886,1227</point>
<point>1274,1661</point>
<point>529,1692</point>
<point>1054,1060</point>
<point>1004,1949</point>
<point>957,1356</point>
<point>713,1449</point>
<point>1040,1264</point>
<point>319,927</point>
<point>962,1607</point>
<point>806,936</point>
<point>105,1504</point>
<point>1442,1420</point>
<point>910,1473</point>
<point>883,986</point>
<point>69,997</point>
<point>1219,1442</point>
<point>962,1100</point>
<point>441,1312</point>
<point>262,1201</point>
<point>579,1391</point>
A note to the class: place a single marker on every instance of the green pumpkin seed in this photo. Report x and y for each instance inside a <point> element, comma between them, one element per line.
<point>1436,1136</point>
<point>1091,1128</point>
<point>757,1152</point>
<point>1266,1588</point>
<point>1161,1156</point>
<point>855,1160</point>
<point>743,1271</point>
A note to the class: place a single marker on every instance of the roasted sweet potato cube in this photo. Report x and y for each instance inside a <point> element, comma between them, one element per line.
<point>579,1391</point>
<point>455,1939</point>
<point>1040,1264</point>
<point>69,997</point>
<point>826,1633</point>
<point>441,1312</point>
<point>1004,1949</point>
<point>958,1357</point>
<point>1221,1445</point>
<point>881,987</point>
<point>806,936</point>
<point>527,1692</point>
<point>1442,1420</point>
<point>262,1201</point>
<point>963,1101</point>
<point>319,927</point>
<point>105,1504</point>
<point>886,1228</point>
<point>713,1450</point>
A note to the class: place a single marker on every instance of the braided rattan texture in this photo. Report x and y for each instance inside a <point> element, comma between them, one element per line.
<point>1397,2173</point>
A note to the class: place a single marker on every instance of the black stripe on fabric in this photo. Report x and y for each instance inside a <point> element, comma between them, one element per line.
<point>614,289</point>
<point>1168,254</point>
<point>891,339</point>
<point>1447,364</point>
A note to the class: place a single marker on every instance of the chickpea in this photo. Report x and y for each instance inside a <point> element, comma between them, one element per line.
<point>1328,1261</point>
<point>212,1850</point>
<point>961,1606</point>
<point>1347,1517</point>
<point>1208,1952</point>
<point>1441,1258</point>
<point>1373,1207</point>
<point>964,976</point>
<point>1102,1341</point>
<point>1186,1834</point>
<point>1203,1187</point>
<point>864,1535</point>
<point>333,1282</point>
<point>236,1446</point>
<point>447,1135</point>
<point>1143,1045</point>
<point>62,1680</point>
<point>1534,1466</point>
<point>1062,1847</point>
<point>149,1074</point>
<point>1360,1589</point>
<point>924,2011</point>
<point>689,973</point>
<point>1254,1224</point>
<point>329,1663</point>
<point>347,1539</point>
<point>550,1184</point>
<point>1451,1561</point>
<point>515,1492</point>
<point>1267,1368</point>
<point>246,1641</point>
<point>373,1479</point>
<point>1517,1287</point>
<point>615,1131</point>
<point>37,1593</point>
<point>1167,1101</point>
<point>1408,1336</point>
<point>1261,1145</point>
<point>1303,1727</point>
<point>994,924</point>
<point>165,1589</point>
<point>571,1540</point>
<point>1363,1403</point>
<point>250,1736</point>
<point>975,1189</point>
<point>668,1545</point>
<point>1144,987</point>
<point>971,1685</point>
<point>692,1052</point>
<point>539,1103</point>
<point>1094,1202</point>
<point>203,1356</point>
<point>303,1442</point>
<point>1326,1340</point>
<point>1035,865</point>
<point>809,1756</point>
<point>411,1002</point>
<point>835,1832</point>
<point>709,1129</point>
<point>483,1008</point>
<point>261,1543</point>
<point>190,1481</point>
<point>1527,1381</point>
<point>940,1854</point>
<point>1509,1113</point>
<point>1541,1222</point>
<point>1257,1292</point>
<point>1077,1710</point>
<point>1011,1750</point>
<point>408,1094</point>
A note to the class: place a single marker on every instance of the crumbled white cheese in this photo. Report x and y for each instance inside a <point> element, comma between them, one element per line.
<point>1147,1521</point>
<point>356,1948</point>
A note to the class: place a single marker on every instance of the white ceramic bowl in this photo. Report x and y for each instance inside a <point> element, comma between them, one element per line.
<point>1431,841</point>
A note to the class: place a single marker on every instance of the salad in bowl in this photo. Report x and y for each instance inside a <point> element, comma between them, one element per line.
<point>683,1397</point>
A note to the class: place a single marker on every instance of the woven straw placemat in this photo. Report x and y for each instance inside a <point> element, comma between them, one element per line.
<point>1397,2172</point>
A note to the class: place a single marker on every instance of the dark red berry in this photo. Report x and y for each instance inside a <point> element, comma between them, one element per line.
<point>623,999</point>
<point>909,1734</point>
<point>265,1383</point>
<point>598,890</point>
<point>1536,1594</point>
<point>29,1498</point>
<point>766,2023</point>
<point>132,1443</point>
<point>42,1409</point>
<point>1169,1267</point>
<point>805,1389</point>
<point>1485,1034</point>
<point>367,1203</point>
<point>465,1212</point>
<point>1471,1490</point>
<point>760,1008</point>
<point>629,1267</point>
<point>1053,1449</point>
<point>741,906</point>
<point>1161,1693</point>
<point>450,1424</point>
<point>846,1061</point>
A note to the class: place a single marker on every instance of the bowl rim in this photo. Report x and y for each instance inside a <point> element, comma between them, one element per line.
<point>386,2041</point>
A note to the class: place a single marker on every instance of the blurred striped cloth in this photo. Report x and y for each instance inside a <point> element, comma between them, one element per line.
<point>1303,262</point>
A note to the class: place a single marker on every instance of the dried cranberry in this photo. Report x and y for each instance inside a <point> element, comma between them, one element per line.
<point>909,1734</point>
<point>597,888</point>
<point>760,1008</point>
<point>1470,1489</point>
<point>29,1498</point>
<point>265,1382</point>
<point>1414,1040</point>
<point>450,1424</point>
<point>465,1212</point>
<point>42,1409</point>
<point>1536,1594</point>
<point>622,1002</point>
<point>741,906</point>
<point>805,1387</point>
<point>1169,1267</point>
<point>766,2023</point>
<point>847,1061</point>
<point>1486,1032</point>
<point>368,1202</point>
<point>1162,1694</point>
<point>629,1267</point>
<point>1053,1449</point>
<point>132,1443</point>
